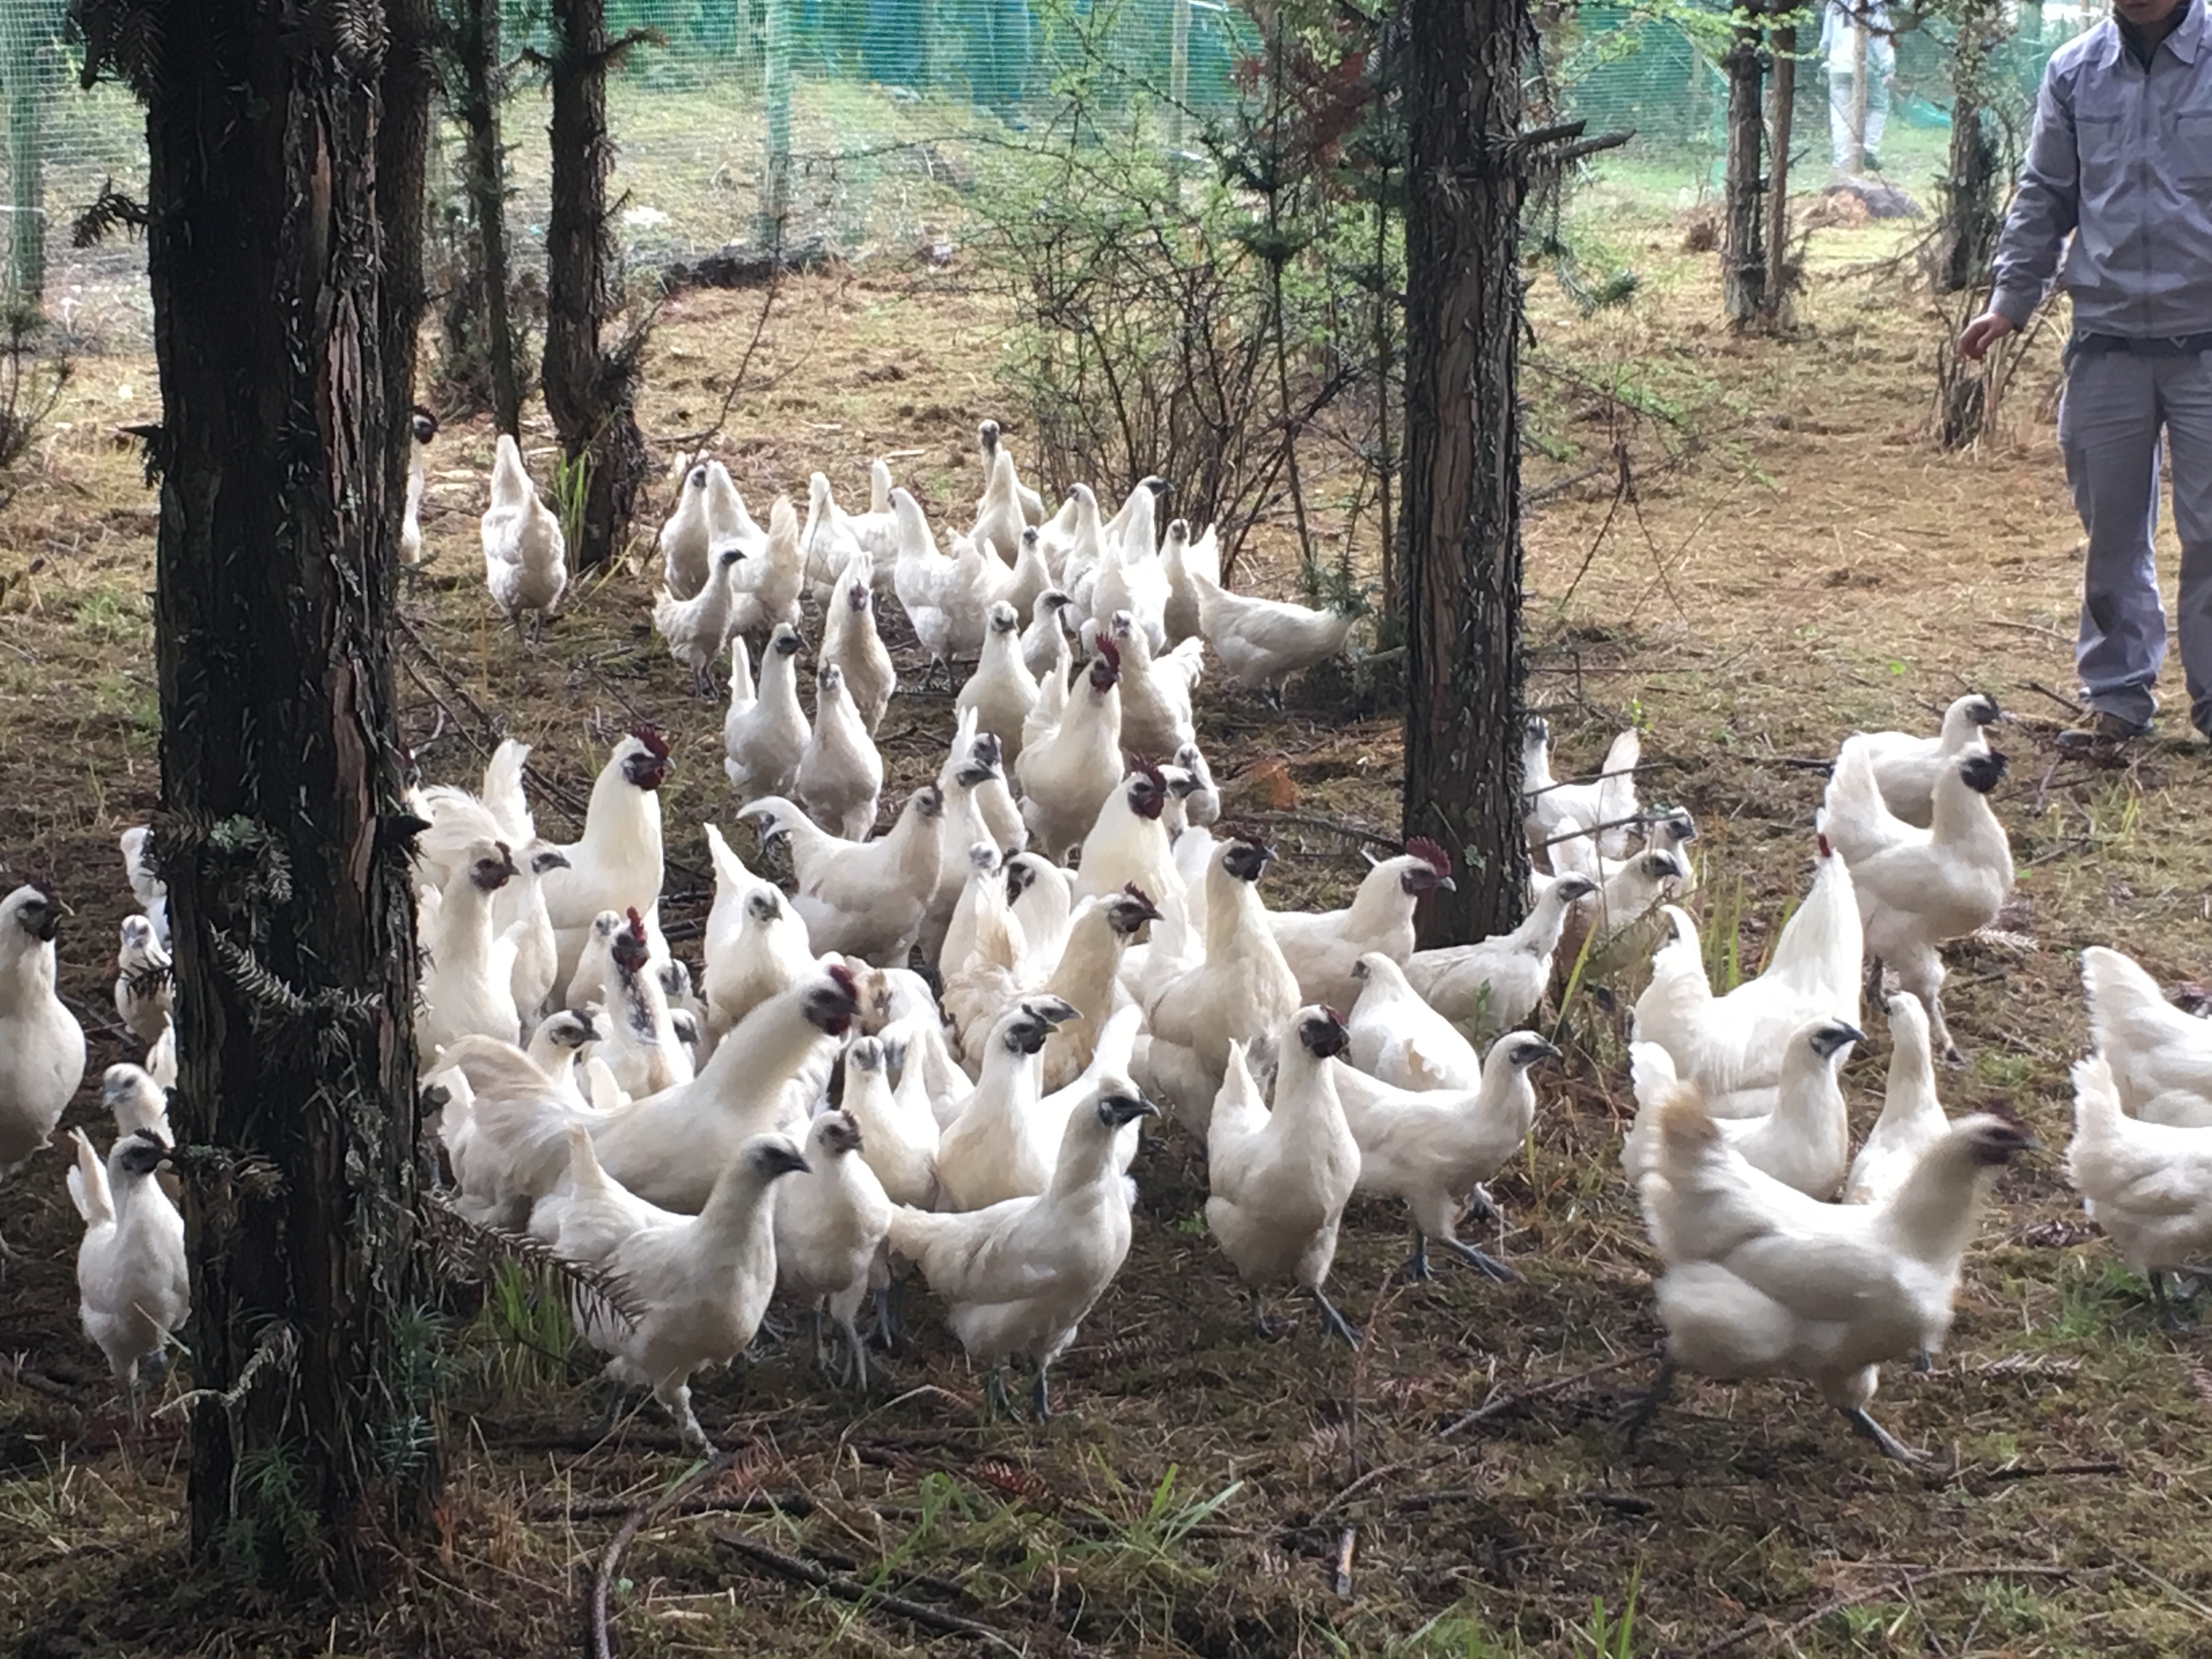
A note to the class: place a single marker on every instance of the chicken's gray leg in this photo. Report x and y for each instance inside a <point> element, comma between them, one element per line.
<point>1416,1267</point>
<point>1261,1325</point>
<point>1888,1443</point>
<point>1488,1266</point>
<point>1041,1395</point>
<point>1336,1320</point>
<point>856,1355</point>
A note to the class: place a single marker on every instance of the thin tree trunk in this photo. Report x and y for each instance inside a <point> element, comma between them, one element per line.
<point>1972,187</point>
<point>475,56</point>
<point>1781,110</point>
<point>1743,243</point>
<point>285,166</point>
<point>589,389</point>
<point>1855,154</point>
<point>1464,61</point>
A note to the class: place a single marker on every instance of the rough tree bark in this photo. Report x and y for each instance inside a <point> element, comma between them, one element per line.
<point>1973,183</point>
<point>1781,111</point>
<point>1464,61</point>
<point>285,149</point>
<point>589,386</point>
<point>472,34</point>
<point>1743,197</point>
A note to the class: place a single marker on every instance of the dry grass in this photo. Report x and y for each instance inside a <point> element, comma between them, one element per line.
<point>1806,565</point>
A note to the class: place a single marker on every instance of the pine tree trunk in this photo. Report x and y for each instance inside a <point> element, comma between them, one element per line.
<point>1972,187</point>
<point>1464,60</point>
<point>286,157</point>
<point>483,178</point>
<point>589,389</point>
<point>1743,200</point>
<point>1781,113</point>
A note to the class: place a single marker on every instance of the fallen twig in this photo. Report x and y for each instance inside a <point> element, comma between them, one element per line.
<point>860,1595</point>
<point>1341,1579</point>
<point>598,1642</point>
<point>1498,1405</point>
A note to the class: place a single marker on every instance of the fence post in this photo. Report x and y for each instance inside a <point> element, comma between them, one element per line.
<point>1178,76</point>
<point>1855,155</point>
<point>775,87</point>
<point>26,61</point>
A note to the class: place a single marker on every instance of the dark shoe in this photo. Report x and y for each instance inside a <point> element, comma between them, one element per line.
<point>2099,729</point>
<point>1869,162</point>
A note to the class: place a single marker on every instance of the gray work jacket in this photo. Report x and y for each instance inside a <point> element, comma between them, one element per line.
<point>2122,159</point>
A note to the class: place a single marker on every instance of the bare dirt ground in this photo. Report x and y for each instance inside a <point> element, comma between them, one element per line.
<point>1794,560</point>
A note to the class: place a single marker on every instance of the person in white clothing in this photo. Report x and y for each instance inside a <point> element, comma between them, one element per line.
<point>1840,20</point>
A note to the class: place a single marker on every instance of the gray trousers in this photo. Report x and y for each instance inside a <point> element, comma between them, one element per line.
<point>2109,417</point>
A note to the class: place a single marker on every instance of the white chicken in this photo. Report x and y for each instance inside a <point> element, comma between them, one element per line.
<point>1323,949</point>
<point>850,640</point>
<point>640,1044</point>
<point>1279,1179</point>
<point>946,598</point>
<point>133,1287</point>
<point>1429,1147</point>
<point>831,1219</point>
<point>526,554</point>
<point>2147,1185</point>
<point>41,1044</point>
<point>1906,766</point>
<point>1241,990</point>
<point>756,944</point>
<point>765,589</point>
<point>2161,1058</point>
<point>1917,888</point>
<point>695,628</point>
<point>1019,1277</point>
<point>1559,811</point>
<point>1187,562</point>
<point>833,537</point>
<point>697,1285</point>
<point>1736,1042</point>
<point>1760,1280</point>
<point>1045,651</point>
<point>141,981</point>
<point>1265,642</point>
<point>765,731</point>
<point>1157,717</point>
<point>1911,1118</point>
<point>1497,982</point>
<point>422,427</point>
<point>618,866</point>
<point>840,774</point>
<point>899,1134</point>
<point>996,1147</point>
<point>145,886</point>
<point>1804,1143</point>
<point>1399,1039</point>
<point>991,441</point>
<point>865,899</point>
<point>1067,772</point>
<point>999,520</point>
<point>1002,691</point>
<point>468,984</point>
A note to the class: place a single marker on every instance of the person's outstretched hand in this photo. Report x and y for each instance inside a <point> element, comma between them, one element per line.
<point>1985,332</point>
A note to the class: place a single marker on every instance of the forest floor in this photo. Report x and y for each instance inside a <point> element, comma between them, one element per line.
<point>1794,560</point>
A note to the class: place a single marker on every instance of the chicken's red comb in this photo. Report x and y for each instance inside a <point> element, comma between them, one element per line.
<point>1130,890</point>
<point>1110,651</point>
<point>1434,857</point>
<point>649,734</point>
<point>1821,841</point>
<point>637,924</point>
<point>846,983</point>
<point>1150,767</point>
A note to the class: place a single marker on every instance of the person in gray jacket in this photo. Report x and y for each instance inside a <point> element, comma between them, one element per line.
<point>2118,178</point>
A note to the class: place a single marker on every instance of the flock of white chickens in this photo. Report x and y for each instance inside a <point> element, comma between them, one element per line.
<point>818,1118</point>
